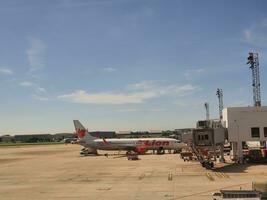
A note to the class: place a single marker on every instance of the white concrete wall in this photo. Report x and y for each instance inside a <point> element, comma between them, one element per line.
<point>240,120</point>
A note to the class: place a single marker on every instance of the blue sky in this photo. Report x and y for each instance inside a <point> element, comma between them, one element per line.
<point>125,64</point>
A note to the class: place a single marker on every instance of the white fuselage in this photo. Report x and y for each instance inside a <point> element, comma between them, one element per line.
<point>133,143</point>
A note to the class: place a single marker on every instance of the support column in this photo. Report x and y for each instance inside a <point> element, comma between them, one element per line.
<point>222,153</point>
<point>240,151</point>
<point>233,152</point>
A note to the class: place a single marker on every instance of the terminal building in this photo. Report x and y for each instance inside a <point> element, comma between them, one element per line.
<point>245,124</point>
<point>103,134</point>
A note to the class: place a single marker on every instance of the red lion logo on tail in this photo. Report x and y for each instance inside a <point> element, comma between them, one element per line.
<point>81,133</point>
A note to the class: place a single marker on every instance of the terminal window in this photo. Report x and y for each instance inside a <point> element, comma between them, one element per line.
<point>265,131</point>
<point>255,132</point>
<point>203,137</point>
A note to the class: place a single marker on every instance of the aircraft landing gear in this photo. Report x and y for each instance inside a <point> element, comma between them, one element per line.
<point>160,151</point>
<point>87,152</point>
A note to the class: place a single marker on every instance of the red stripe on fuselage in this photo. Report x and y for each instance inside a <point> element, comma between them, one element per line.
<point>104,141</point>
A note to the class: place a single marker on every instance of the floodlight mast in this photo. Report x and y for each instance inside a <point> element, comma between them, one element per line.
<point>253,61</point>
<point>207,111</point>
<point>219,93</point>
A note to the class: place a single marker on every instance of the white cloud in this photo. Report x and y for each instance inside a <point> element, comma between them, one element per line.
<point>109,69</point>
<point>81,96</point>
<point>128,110</point>
<point>256,34</point>
<point>6,71</point>
<point>40,98</point>
<point>27,84</point>
<point>36,54</point>
<point>180,90</point>
<point>190,73</point>
<point>37,90</point>
<point>40,90</point>
<point>186,104</point>
<point>144,85</point>
<point>247,35</point>
<point>141,110</point>
<point>138,93</point>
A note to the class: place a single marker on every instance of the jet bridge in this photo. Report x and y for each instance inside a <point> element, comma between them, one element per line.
<point>208,142</point>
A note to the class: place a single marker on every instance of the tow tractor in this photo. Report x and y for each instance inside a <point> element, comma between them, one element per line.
<point>131,155</point>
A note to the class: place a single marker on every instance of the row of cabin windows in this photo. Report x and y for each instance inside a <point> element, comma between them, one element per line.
<point>255,132</point>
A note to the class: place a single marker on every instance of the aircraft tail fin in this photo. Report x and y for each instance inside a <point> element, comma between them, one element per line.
<point>81,132</point>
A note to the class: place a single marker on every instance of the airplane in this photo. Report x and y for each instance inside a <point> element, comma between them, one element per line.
<point>138,145</point>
